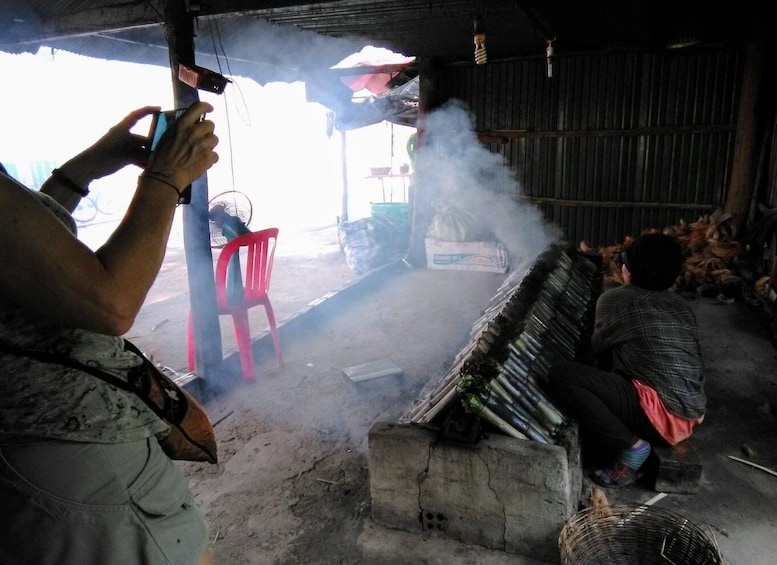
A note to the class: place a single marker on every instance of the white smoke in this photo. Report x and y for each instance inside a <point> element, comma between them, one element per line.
<point>267,52</point>
<point>471,184</point>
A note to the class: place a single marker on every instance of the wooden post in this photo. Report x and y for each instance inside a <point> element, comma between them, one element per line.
<point>741,184</point>
<point>420,202</point>
<point>344,172</point>
<point>179,29</point>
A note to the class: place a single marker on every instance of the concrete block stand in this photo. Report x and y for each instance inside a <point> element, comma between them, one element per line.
<point>501,493</point>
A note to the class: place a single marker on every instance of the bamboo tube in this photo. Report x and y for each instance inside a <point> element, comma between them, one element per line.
<point>529,383</point>
<point>500,424</point>
<point>533,426</point>
<point>430,414</point>
<point>541,406</point>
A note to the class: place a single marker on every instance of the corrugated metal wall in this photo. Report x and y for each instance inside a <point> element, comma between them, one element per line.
<point>613,143</point>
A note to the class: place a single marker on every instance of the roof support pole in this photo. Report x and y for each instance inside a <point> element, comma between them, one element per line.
<point>420,195</point>
<point>179,29</point>
<point>344,174</point>
<point>749,129</point>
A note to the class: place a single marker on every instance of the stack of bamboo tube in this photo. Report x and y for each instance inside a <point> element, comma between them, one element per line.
<point>534,320</point>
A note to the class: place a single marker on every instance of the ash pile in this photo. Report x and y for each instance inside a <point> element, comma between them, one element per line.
<point>497,380</point>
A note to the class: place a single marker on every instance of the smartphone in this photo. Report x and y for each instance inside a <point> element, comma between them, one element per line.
<point>160,121</point>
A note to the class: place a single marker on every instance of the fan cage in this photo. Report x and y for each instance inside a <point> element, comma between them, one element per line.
<point>235,203</point>
<point>628,535</point>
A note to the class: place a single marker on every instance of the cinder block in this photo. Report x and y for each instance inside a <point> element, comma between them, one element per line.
<point>678,469</point>
<point>502,493</point>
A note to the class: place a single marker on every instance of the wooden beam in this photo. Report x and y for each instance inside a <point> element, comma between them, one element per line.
<point>179,30</point>
<point>621,204</point>
<point>373,69</point>
<point>743,169</point>
<point>504,134</point>
<point>89,18</point>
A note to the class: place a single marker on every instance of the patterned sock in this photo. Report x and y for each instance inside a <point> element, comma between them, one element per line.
<point>634,457</point>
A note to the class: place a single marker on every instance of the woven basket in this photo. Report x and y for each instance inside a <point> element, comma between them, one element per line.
<point>631,535</point>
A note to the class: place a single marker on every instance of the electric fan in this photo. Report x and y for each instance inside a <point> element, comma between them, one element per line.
<point>235,203</point>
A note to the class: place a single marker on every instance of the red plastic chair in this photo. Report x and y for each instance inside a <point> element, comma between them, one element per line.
<point>260,251</point>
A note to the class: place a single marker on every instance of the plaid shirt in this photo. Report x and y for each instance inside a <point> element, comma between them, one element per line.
<point>653,337</point>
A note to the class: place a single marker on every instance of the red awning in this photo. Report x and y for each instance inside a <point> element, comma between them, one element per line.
<point>378,58</point>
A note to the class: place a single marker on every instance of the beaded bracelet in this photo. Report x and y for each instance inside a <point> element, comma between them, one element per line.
<point>67,183</point>
<point>159,177</point>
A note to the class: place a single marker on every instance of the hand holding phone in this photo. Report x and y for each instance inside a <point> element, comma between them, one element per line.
<point>160,121</point>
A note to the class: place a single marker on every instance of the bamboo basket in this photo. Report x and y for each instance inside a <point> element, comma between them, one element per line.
<point>642,535</point>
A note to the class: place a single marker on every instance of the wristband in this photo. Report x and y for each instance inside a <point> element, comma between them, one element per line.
<point>159,177</point>
<point>67,183</point>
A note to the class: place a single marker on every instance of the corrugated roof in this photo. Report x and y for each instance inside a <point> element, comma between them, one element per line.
<point>130,30</point>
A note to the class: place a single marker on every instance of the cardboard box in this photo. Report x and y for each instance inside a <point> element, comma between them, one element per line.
<point>490,256</point>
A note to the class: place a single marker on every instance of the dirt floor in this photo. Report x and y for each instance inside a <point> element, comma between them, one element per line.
<point>292,483</point>
<point>292,486</point>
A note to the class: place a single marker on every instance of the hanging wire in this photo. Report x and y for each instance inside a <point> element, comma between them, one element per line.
<point>155,10</point>
<point>211,25</point>
<point>247,117</point>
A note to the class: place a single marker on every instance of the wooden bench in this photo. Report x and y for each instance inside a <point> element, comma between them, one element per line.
<point>678,469</point>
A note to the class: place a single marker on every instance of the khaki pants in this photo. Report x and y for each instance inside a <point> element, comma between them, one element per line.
<point>96,504</point>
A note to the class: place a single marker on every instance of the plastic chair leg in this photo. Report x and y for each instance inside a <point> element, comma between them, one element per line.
<point>276,340</point>
<point>190,342</point>
<point>243,338</point>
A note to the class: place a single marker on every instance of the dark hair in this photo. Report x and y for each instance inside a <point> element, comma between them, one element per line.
<point>654,261</point>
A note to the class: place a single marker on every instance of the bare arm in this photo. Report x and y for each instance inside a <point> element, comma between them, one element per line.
<point>47,269</point>
<point>117,148</point>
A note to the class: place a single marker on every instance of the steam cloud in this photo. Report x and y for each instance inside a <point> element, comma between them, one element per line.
<point>474,186</point>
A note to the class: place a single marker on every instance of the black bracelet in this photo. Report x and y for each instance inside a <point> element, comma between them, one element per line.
<point>159,178</point>
<point>67,183</point>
